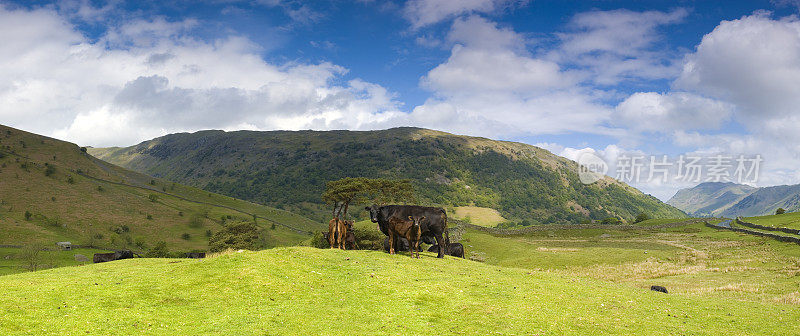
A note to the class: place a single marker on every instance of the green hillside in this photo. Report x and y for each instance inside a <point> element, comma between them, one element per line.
<point>309,291</point>
<point>527,184</point>
<point>53,191</point>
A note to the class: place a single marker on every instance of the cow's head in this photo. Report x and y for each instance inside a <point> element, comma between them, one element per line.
<point>373,213</point>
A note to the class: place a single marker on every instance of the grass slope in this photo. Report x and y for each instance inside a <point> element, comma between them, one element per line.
<point>478,216</point>
<point>788,220</point>
<point>47,179</point>
<point>290,169</point>
<point>310,291</point>
<point>692,260</point>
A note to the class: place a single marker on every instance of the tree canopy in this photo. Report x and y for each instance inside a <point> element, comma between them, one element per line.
<point>355,190</point>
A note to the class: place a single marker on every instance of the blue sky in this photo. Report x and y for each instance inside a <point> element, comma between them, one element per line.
<point>575,77</point>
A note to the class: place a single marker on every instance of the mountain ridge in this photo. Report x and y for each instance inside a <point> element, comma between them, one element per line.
<point>728,199</point>
<point>289,168</point>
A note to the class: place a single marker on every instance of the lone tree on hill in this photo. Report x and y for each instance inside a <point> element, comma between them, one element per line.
<point>354,190</point>
<point>780,211</point>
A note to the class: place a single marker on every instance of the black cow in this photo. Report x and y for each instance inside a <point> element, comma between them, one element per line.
<point>117,255</point>
<point>402,246</point>
<point>661,289</point>
<point>453,249</point>
<point>434,225</point>
<point>196,255</point>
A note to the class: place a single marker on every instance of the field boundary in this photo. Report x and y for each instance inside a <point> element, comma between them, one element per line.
<point>767,228</point>
<point>756,233</point>
<point>548,227</point>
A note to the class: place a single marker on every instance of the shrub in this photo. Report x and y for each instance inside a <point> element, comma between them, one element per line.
<point>319,241</point>
<point>610,220</point>
<point>100,188</point>
<point>152,182</point>
<point>83,149</point>
<point>272,227</point>
<point>149,217</point>
<point>28,215</point>
<point>186,236</point>
<point>49,170</point>
<point>31,256</point>
<point>180,213</point>
<point>70,180</point>
<point>152,197</point>
<point>235,235</point>
<point>158,251</point>
<point>780,211</point>
<point>196,222</point>
<point>641,218</point>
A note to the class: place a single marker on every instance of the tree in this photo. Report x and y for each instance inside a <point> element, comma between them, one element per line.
<point>158,251</point>
<point>780,211</point>
<point>31,255</point>
<point>354,190</point>
<point>237,235</point>
<point>641,218</point>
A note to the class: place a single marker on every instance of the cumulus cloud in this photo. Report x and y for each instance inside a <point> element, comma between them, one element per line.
<point>657,112</point>
<point>149,77</point>
<point>422,13</point>
<point>619,44</point>
<point>491,85</point>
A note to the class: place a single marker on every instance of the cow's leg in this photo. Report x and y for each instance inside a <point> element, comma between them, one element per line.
<point>342,236</point>
<point>391,242</point>
<point>440,242</point>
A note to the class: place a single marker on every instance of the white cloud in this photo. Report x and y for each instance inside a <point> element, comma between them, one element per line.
<point>148,78</point>
<point>422,13</point>
<point>655,112</point>
<point>490,85</point>
<point>618,45</point>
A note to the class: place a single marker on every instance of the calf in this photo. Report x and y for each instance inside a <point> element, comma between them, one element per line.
<point>661,289</point>
<point>350,236</point>
<point>453,249</point>
<point>409,229</point>
<point>402,245</point>
<point>104,257</point>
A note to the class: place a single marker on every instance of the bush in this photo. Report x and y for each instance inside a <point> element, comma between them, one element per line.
<point>186,236</point>
<point>780,211</point>
<point>236,235</point>
<point>610,221</point>
<point>158,251</point>
<point>319,241</point>
<point>83,149</point>
<point>49,170</point>
<point>70,180</point>
<point>641,218</point>
<point>100,188</point>
<point>196,222</point>
<point>152,197</point>
<point>149,217</point>
<point>208,233</point>
<point>28,215</point>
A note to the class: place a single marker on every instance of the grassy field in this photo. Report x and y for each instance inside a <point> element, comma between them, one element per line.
<point>788,220</point>
<point>310,291</point>
<point>478,216</point>
<point>693,261</point>
<point>13,260</point>
<point>45,198</point>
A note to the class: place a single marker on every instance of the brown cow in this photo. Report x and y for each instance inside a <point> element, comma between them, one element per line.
<point>337,232</point>
<point>409,229</point>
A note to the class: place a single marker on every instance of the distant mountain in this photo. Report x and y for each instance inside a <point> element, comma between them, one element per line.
<point>51,191</point>
<point>731,199</point>
<point>289,169</point>
<point>710,198</point>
